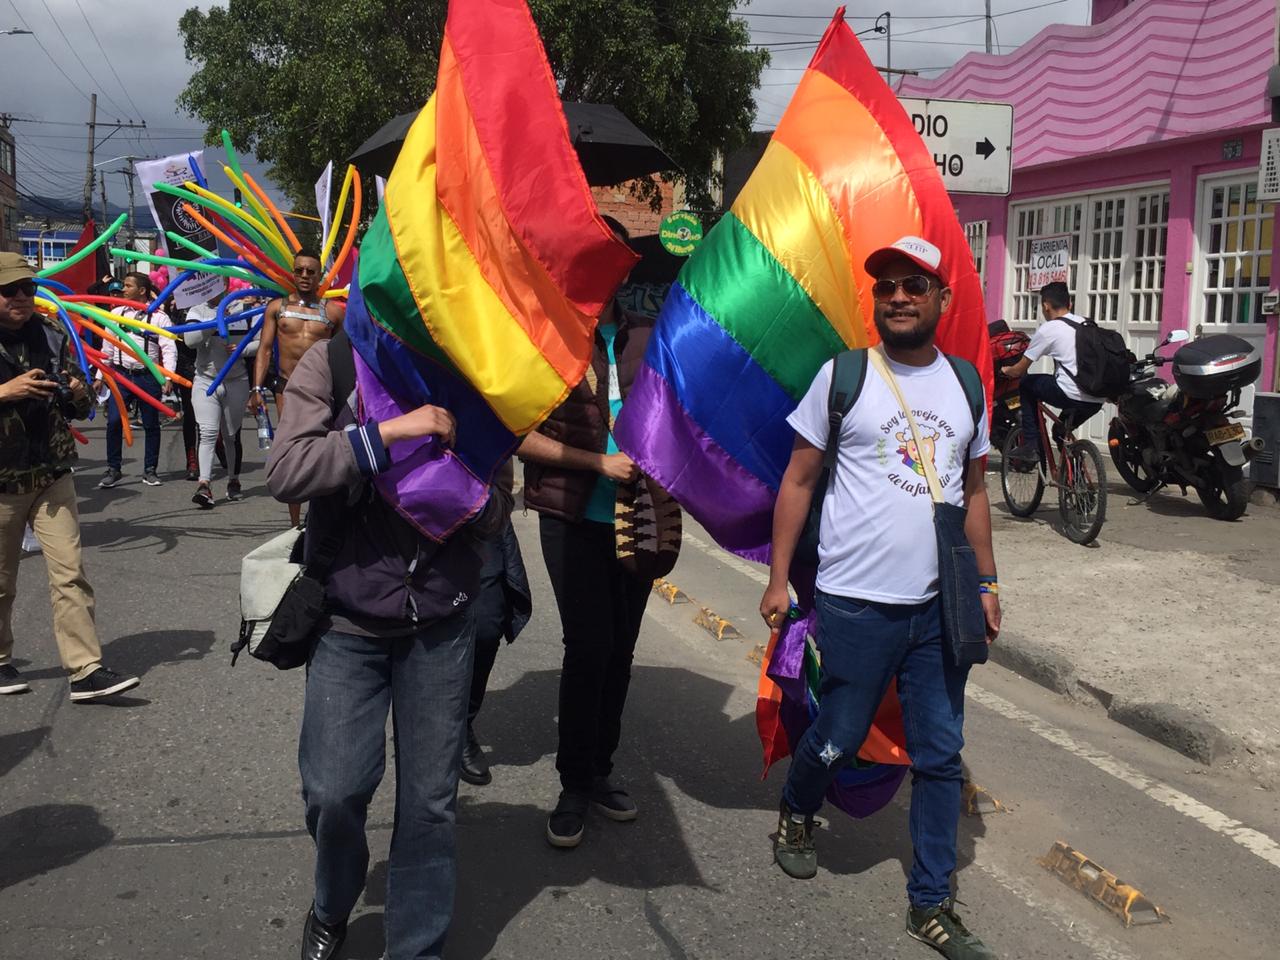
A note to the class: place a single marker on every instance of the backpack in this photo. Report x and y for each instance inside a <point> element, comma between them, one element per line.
<point>848,374</point>
<point>281,598</point>
<point>1102,359</point>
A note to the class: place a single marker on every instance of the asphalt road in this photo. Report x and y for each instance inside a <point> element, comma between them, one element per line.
<point>169,825</point>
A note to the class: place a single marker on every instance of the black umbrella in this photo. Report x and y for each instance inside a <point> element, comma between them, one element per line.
<point>611,148</point>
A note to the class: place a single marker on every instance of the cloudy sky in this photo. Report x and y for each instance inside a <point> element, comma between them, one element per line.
<point>129,52</point>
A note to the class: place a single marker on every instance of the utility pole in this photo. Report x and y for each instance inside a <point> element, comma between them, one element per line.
<point>988,26</point>
<point>102,187</point>
<point>133,234</point>
<point>88,163</point>
<point>94,143</point>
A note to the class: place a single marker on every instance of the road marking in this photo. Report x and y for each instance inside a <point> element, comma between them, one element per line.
<point>1257,843</point>
<point>754,571</point>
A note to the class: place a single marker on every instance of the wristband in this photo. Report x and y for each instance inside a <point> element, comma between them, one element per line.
<point>991,588</point>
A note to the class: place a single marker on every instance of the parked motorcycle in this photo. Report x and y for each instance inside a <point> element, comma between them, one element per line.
<point>1007,348</point>
<point>1183,433</point>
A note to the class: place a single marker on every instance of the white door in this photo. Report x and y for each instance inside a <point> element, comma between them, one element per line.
<point>1233,263</point>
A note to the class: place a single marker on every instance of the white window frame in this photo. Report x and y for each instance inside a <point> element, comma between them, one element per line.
<point>1200,271</point>
<point>1082,258</point>
<point>977,233</point>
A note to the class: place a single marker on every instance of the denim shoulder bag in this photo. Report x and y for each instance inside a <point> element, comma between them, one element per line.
<point>964,624</point>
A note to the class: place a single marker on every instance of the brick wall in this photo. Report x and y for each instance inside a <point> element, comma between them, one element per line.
<point>635,215</point>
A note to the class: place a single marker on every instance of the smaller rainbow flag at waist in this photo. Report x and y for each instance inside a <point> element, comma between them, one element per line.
<point>483,274</point>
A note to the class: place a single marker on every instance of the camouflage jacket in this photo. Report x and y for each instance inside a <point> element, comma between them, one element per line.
<point>26,467</point>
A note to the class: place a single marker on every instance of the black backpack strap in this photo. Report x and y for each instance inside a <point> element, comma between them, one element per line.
<point>330,533</point>
<point>971,381</point>
<point>342,369</point>
<point>975,396</point>
<point>848,374</point>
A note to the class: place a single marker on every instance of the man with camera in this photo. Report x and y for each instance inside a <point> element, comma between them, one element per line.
<point>41,388</point>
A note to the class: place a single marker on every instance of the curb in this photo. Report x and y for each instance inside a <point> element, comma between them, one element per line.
<point>1166,723</point>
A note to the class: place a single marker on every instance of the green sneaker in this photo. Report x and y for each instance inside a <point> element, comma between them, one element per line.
<point>793,847</point>
<point>943,930</point>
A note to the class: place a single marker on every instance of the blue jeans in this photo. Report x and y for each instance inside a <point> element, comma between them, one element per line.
<point>351,683</point>
<point>864,646</point>
<point>1044,387</point>
<point>150,421</point>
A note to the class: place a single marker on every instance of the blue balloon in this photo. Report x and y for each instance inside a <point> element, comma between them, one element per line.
<point>235,357</point>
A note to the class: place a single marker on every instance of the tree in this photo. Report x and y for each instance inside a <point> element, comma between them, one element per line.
<point>301,83</point>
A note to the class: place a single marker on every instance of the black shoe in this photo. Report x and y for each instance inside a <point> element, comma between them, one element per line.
<point>475,768</point>
<point>321,941</point>
<point>151,479</point>
<point>941,929</point>
<point>109,479</point>
<point>793,847</point>
<point>11,680</point>
<point>1025,452</point>
<point>233,490</point>
<point>101,683</point>
<point>614,802</point>
<point>568,820</point>
<point>203,497</point>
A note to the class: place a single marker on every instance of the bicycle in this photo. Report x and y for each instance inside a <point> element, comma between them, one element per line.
<point>1078,472</point>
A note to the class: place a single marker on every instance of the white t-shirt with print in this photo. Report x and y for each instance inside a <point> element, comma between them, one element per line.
<point>1057,341</point>
<point>877,540</point>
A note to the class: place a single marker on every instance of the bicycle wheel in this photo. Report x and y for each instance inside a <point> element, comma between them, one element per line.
<point>1020,479</point>
<point>1082,492</point>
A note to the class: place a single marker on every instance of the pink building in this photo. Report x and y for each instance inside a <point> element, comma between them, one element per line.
<point>1138,136</point>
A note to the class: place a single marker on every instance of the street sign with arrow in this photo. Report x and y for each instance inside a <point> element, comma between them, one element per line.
<point>971,142</point>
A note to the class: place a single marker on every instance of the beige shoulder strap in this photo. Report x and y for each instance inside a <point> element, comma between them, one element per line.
<point>881,364</point>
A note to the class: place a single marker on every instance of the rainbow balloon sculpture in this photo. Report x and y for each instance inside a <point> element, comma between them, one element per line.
<point>261,244</point>
<point>775,290</point>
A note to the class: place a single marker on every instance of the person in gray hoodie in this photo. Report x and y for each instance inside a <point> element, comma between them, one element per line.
<point>398,637</point>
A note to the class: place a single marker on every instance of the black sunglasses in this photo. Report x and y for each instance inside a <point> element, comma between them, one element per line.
<point>917,287</point>
<point>26,287</point>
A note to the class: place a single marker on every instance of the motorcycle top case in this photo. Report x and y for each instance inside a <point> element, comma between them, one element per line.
<point>1214,366</point>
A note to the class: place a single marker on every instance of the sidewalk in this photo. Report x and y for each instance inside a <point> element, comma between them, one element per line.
<point>1168,623</point>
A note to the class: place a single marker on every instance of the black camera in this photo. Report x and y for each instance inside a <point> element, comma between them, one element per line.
<point>63,396</point>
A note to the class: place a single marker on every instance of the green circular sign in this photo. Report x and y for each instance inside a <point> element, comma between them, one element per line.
<point>681,233</point>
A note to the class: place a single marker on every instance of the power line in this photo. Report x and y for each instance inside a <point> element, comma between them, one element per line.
<point>112,67</point>
<point>36,37</point>
<point>89,73</point>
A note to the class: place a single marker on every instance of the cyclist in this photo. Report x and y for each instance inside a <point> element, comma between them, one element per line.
<point>1055,339</point>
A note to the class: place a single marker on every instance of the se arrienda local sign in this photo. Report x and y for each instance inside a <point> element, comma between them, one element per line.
<point>971,142</point>
<point>1050,261</point>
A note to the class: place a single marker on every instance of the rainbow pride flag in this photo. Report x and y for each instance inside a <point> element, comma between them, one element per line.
<point>483,274</point>
<point>776,290</point>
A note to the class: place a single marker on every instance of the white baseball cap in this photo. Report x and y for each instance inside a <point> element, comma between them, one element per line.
<point>920,252</point>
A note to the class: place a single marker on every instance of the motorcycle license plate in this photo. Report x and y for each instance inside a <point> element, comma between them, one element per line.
<point>1221,435</point>
<point>1013,403</point>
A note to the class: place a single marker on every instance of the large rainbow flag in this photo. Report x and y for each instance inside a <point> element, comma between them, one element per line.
<point>776,290</point>
<point>482,276</point>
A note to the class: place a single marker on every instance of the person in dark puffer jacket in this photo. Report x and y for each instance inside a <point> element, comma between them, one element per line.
<point>572,470</point>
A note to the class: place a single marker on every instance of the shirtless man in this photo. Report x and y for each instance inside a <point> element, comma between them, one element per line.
<point>296,322</point>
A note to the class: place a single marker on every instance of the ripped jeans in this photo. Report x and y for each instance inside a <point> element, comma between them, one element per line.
<point>864,646</point>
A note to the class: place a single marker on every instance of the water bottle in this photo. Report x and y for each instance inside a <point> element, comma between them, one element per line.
<point>265,433</point>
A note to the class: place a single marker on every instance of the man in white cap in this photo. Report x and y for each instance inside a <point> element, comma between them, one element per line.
<point>877,600</point>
